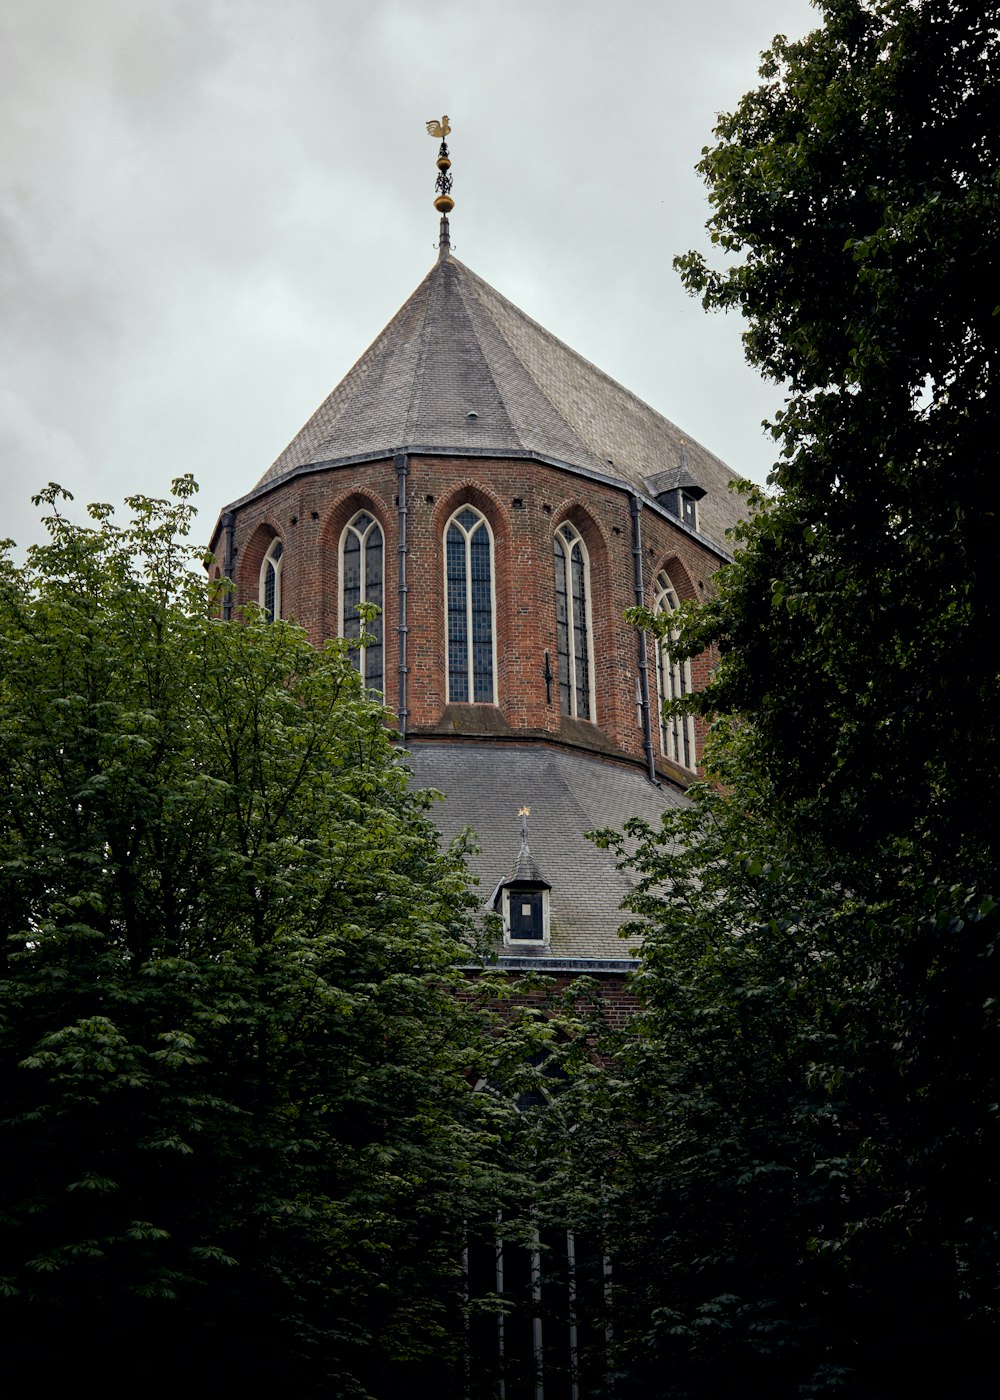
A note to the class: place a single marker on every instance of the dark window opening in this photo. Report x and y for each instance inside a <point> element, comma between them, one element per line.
<point>270,591</point>
<point>469,590</point>
<point>572,625</point>
<point>526,915</point>
<point>362,582</point>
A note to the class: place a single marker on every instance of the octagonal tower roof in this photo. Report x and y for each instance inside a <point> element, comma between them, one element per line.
<point>459,368</point>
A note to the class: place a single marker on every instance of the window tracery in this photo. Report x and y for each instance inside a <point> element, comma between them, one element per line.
<point>673,681</point>
<point>469,592</point>
<point>362,562</point>
<point>573,639</point>
<point>269,594</point>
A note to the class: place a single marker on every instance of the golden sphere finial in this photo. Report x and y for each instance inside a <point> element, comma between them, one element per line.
<point>443,201</point>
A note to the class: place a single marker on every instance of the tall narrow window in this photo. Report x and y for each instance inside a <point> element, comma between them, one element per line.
<point>573,623</point>
<point>673,680</point>
<point>362,551</point>
<point>270,581</point>
<point>468,547</point>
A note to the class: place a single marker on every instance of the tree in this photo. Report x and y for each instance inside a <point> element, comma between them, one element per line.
<point>237,1138</point>
<point>801,1175</point>
<point>857,191</point>
<point>809,1164</point>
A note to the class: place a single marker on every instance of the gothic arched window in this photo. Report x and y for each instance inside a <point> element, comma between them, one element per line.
<point>270,581</point>
<point>362,553</point>
<point>468,549</point>
<point>673,680</point>
<point>573,643</point>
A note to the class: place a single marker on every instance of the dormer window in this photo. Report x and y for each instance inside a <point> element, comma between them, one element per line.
<point>688,508</point>
<point>677,491</point>
<point>525,910</point>
<point>526,915</point>
<point>522,899</point>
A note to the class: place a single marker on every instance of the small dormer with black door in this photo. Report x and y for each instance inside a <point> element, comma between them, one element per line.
<point>677,491</point>
<point>522,899</point>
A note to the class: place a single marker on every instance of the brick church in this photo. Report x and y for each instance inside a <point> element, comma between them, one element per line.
<point>502,502</point>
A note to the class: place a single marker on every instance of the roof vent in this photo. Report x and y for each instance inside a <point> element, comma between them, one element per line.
<point>673,479</point>
<point>677,491</point>
<point>472,414</point>
<point>522,898</point>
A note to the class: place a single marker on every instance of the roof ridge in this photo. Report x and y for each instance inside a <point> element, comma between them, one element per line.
<point>582,359</point>
<point>358,371</point>
<point>484,325</point>
<point>496,383</point>
<point>421,353</point>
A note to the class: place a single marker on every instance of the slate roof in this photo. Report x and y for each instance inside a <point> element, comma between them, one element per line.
<point>569,794</point>
<point>525,870</point>
<point>459,368</point>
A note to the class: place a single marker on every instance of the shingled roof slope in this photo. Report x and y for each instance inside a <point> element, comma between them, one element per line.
<point>459,368</point>
<point>569,794</point>
<point>525,870</point>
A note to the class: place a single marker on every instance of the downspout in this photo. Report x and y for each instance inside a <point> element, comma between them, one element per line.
<point>402,472</point>
<point>228,524</point>
<point>635,505</point>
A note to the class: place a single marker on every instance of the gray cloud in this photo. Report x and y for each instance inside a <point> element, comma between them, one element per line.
<point>209,208</point>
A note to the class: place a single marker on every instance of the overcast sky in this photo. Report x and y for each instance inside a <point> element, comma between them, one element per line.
<point>209,209</point>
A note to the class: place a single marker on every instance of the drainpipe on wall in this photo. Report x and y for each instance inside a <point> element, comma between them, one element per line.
<point>635,505</point>
<point>228,523</point>
<point>402,462</point>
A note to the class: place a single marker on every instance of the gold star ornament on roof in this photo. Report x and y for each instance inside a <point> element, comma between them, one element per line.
<point>440,128</point>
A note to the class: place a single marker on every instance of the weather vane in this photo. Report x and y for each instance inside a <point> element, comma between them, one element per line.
<point>524,813</point>
<point>443,201</point>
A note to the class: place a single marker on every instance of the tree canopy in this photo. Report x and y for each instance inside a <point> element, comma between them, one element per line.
<point>235,1127</point>
<point>803,1189</point>
<point>855,195</point>
<point>236,1131</point>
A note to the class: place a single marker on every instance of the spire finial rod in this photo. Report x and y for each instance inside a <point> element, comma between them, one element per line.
<point>524,813</point>
<point>443,201</point>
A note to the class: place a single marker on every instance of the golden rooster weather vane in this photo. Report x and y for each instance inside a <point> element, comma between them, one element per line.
<point>443,201</point>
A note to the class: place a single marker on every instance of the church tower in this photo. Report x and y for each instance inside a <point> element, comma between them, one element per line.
<point>502,502</point>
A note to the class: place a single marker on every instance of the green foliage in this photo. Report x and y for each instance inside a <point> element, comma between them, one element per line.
<point>856,195</point>
<point>803,1191</point>
<point>237,1131</point>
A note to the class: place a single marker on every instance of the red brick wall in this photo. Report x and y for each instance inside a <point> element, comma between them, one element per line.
<point>616,1000</point>
<point>523,501</point>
